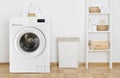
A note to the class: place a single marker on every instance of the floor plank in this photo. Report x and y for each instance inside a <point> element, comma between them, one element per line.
<point>56,72</point>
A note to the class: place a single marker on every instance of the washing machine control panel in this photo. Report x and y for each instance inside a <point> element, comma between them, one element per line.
<point>40,20</point>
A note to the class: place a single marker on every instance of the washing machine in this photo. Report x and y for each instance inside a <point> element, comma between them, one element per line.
<point>29,45</point>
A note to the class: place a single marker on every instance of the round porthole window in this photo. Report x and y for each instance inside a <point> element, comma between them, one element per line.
<point>29,42</point>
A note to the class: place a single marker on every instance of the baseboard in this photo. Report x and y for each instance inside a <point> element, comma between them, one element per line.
<point>54,63</point>
<point>116,63</point>
<point>4,63</point>
<point>81,64</point>
<point>90,64</point>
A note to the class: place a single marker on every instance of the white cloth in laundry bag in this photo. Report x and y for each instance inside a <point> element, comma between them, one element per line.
<point>33,10</point>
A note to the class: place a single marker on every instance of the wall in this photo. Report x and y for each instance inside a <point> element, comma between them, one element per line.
<point>116,31</point>
<point>67,20</point>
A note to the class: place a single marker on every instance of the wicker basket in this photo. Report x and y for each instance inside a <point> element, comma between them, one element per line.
<point>102,27</point>
<point>99,45</point>
<point>94,10</point>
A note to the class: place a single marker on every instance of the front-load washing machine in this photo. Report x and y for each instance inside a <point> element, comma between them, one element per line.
<point>29,45</point>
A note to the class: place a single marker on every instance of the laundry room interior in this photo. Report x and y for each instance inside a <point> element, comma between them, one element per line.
<point>67,23</point>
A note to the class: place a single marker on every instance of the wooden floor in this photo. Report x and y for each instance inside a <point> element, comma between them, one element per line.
<point>93,72</point>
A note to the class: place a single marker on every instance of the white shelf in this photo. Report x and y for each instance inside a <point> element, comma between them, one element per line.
<point>99,50</point>
<point>98,31</point>
<point>98,13</point>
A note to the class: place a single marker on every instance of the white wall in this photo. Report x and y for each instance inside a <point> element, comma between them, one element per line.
<point>67,20</point>
<point>116,31</point>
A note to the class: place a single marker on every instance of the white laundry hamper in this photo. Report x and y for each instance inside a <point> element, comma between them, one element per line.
<point>68,49</point>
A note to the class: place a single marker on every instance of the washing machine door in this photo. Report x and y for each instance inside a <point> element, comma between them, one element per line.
<point>30,42</point>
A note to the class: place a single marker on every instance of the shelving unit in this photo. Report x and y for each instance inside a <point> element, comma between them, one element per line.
<point>92,20</point>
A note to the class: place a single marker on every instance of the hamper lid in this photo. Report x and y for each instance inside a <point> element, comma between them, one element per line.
<point>68,39</point>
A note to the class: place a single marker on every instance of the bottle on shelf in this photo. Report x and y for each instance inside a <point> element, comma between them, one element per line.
<point>89,25</point>
<point>105,9</point>
<point>94,27</point>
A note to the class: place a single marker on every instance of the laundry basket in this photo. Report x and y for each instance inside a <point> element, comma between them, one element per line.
<point>68,49</point>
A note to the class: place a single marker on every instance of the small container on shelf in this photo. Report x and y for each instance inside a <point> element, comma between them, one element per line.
<point>98,45</point>
<point>94,9</point>
<point>102,27</point>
